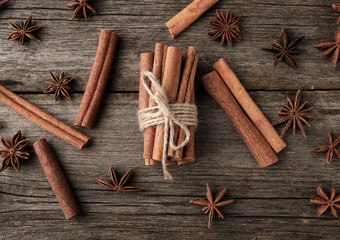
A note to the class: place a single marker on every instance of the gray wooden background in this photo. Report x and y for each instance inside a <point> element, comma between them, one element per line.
<point>270,203</point>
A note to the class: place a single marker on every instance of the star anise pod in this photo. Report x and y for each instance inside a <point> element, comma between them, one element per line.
<point>330,149</point>
<point>336,7</point>
<point>324,202</point>
<point>119,186</point>
<point>14,151</point>
<point>331,48</point>
<point>80,8</point>
<point>211,205</point>
<point>284,50</point>
<point>225,27</point>
<point>3,3</point>
<point>24,31</point>
<point>59,85</point>
<point>295,114</point>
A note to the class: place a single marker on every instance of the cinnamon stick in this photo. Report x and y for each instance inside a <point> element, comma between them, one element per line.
<point>165,50</point>
<point>170,84</point>
<point>146,61</point>
<point>188,15</point>
<point>43,119</point>
<point>254,140</point>
<point>249,106</point>
<point>97,82</point>
<point>56,178</point>
<point>189,149</point>
<point>158,70</point>
<point>185,93</point>
<point>188,153</point>
<point>171,153</point>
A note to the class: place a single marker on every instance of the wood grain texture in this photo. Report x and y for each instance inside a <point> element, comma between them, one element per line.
<point>70,46</point>
<point>270,203</point>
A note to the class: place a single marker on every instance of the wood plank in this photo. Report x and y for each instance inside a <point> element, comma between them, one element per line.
<point>70,46</point>
<point>275,198</point>
<point>114,226</point>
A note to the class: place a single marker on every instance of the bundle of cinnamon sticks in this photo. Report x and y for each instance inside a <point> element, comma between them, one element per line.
<point>176,72</point>
<point>256,131</point>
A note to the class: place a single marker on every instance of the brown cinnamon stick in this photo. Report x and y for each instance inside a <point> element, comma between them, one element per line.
<point>56,178</point>
<point>146,61</point>
<point>171,158</point>
<point>170,84</point>
<point>97,82</point>
<point>3,3</point>
<point>189,149</point>
<point>254,140</point>
<point>249,106</point>
<point>188,15</point>
<point>185,93</point>
<point>158,70</point>
<point>43,119</point>
<point>165,50</point>
<point>188,153</point>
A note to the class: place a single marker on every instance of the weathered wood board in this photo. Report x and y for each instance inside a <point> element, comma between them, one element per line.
<point>270,203</point>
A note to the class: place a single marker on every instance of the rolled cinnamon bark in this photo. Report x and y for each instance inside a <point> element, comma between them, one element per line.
<point>189,149</point>
<point>165,51</point>
<point>146,61</point>
<point>185,95</point>
<point>254,140</point>
<point>171,153</point>
<point>188,15</point>
<point>98,79</point>
<point>188,153</point>
<point>170,84</point>
<point>249,106</point>
<point>3,3</point>
<point>158,69</point>
<point>43,119</point>
<point>188,59</point>
<point>158,65</point>
<point>56,178</point>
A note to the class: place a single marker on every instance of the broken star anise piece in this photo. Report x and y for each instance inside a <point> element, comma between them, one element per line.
<point>119,186</point>
<point>331,48</point>
<point>285,50</point>
<point>336,7</point>
<point>80,8</point>
<point>326,202</point>
<point>225,27</point>
<point>330,149</point>
<point>211,205</point>
<point>59,85</point>
<point>3,3</point>
<point>14,151</point>
<point>24,31</point>
<point>295,114</point>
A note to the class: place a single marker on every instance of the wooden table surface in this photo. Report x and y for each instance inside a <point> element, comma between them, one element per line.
<point>270,203</point>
